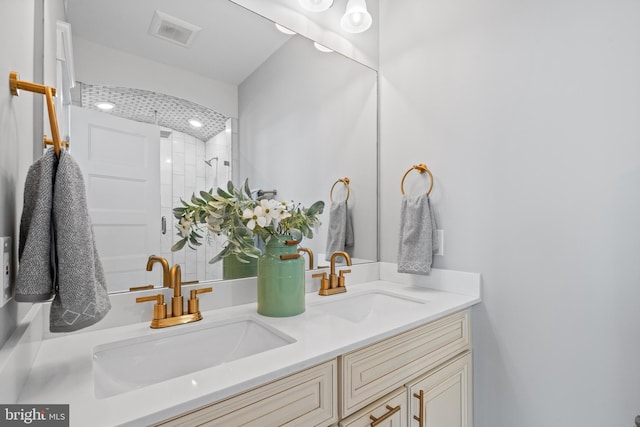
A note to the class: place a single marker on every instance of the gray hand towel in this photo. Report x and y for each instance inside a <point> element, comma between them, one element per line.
<point>340,235</point>
<point>34,281</point>
<point>81,291</point>
<point>418,235</point>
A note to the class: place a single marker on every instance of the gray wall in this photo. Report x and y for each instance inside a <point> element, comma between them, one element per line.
<point>16,130</point>
<point>528,115</point>
<point>306,119</point>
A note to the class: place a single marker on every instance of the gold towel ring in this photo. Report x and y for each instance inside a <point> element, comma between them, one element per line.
<point>345,181</point>
<point>422,168</point>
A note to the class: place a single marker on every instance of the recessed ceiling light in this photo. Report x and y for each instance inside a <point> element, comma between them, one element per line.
<point>195,123</point>
<point>105,106</point>
<point>322,48</point>
<point>284,30</point>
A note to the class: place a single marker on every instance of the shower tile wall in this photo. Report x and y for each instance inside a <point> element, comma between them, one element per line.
<point>183,171</point>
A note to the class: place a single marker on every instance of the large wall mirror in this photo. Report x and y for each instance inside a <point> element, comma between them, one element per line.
<point>274,109</point>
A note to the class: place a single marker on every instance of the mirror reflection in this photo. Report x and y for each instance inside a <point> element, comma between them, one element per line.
<point>274,109</point>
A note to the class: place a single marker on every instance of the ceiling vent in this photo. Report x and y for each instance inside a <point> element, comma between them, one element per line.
<point>172,29</point>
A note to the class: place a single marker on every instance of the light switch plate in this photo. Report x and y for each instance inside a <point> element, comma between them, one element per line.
<point>440,242</point>
<point>6,292</point>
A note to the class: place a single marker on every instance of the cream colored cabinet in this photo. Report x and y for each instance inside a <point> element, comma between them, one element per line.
<point>390,411</point>
<point>370,373</point>
<point>307,398</point>
<point>443,397</point>
<point>419,378</point>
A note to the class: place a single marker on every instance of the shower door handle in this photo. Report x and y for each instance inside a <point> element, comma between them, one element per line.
<point>164,225</point>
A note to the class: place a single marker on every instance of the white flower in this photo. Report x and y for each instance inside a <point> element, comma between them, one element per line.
<point>282,210</point>
<point>270,209</point>
<point>184,226</point>
<point>256,216</point>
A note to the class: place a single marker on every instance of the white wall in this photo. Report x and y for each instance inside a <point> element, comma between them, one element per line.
<point>16,131</point>
<point>315,117</point>
<point>98,64</point>
<point>528,115</point>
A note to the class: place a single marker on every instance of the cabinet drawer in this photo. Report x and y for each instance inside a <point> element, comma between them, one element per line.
<point>390,411</point>
<point>370,373</point>
<point>307,398</point>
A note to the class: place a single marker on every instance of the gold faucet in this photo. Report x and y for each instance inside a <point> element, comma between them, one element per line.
<point>166,278</point>
<point>335,284</point>
<point>310,253</point>
<point>178,316</point>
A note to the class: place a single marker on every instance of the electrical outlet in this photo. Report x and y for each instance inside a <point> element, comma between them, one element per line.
<point>440,234</point>
<point>6,292</point>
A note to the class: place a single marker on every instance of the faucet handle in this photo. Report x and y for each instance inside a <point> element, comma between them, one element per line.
<point>194,303</point>
<point>341,277</point>
<point>324,282</point>
<point>160,309</point>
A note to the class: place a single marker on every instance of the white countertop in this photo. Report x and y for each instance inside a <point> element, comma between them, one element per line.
<point>62,370</point>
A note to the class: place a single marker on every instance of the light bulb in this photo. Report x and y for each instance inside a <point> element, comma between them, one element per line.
<point>315,5</point>
<point>356,18</point>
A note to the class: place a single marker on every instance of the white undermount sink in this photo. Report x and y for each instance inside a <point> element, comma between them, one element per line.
<point>368,305</point>
<point>129,364</point>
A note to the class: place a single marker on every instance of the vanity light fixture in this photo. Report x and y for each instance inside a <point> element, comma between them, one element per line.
<point>356,18</point>
<point>284,30</point>
<point>195,123</point>
<point>316,5</point>
<point>322,48</point>
<point>105,106</point>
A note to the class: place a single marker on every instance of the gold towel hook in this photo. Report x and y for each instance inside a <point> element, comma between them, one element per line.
<point>422,168</point>
<point>346,182</point>
<point>49,92</point>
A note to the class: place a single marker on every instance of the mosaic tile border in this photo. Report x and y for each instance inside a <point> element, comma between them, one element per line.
<point>155,108</point>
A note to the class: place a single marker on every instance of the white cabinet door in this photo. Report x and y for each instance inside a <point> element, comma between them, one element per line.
<point>120,162</point>
<point>443,398</point>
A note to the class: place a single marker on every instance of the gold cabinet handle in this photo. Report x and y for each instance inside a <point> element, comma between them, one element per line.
<point>420,397</point>
<point>289,256</point>
<point>140,288</point>
<point>390,411</point>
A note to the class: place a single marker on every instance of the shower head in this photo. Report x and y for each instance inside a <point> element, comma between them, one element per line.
<point>210,160</point>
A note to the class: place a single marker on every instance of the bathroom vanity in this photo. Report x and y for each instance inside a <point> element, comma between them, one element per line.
<point>426,370</point>
<point>393,350</point>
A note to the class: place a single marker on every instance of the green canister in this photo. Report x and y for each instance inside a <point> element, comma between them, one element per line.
<point>281,279</point>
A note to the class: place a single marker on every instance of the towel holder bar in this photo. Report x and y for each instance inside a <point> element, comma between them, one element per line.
<point>346,182</point>
<point>422,168</point>
<point>49,92</point>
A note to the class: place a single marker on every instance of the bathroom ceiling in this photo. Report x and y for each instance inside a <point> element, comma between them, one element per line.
<point>124,25</point>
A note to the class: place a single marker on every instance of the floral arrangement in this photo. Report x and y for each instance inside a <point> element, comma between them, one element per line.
<point>236,215</point>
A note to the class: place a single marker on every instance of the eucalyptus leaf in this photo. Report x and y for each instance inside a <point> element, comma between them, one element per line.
<point>247,190</point>
<point>316,209</point>
<point>179,245</point>
<point>206,196</point>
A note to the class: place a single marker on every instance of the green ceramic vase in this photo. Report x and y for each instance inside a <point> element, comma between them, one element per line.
<point>280,281</point>
<point>232,268</point>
